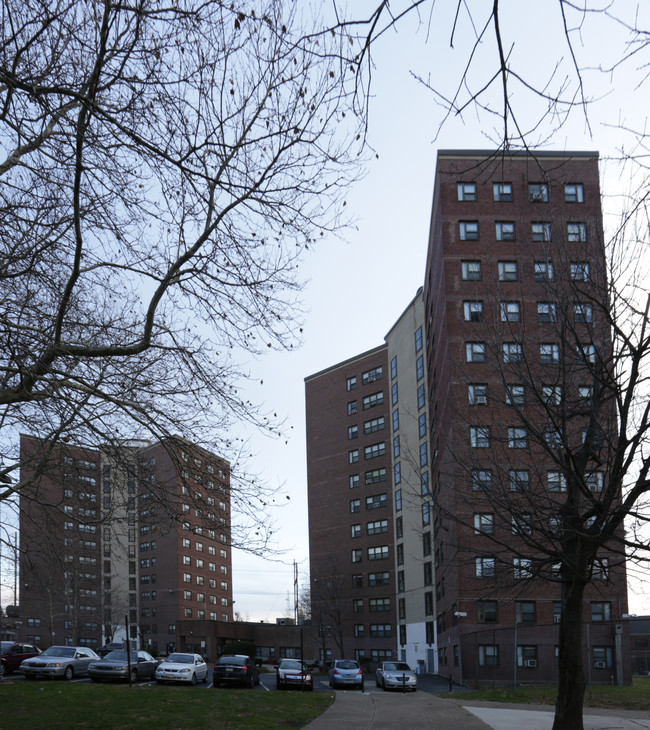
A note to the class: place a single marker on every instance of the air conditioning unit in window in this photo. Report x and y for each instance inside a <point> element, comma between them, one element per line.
<point>600,665</point>
<point>556,619</point>
<point>481,400</point>
<point>531,663</point>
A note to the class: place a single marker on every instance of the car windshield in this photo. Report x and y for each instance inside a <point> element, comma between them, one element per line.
<point>181,658</point>
<point>5,645</point>
<point>120,656</point>
<point>397,667</point>
<point>347,665</point>
<point>237,660</point>
<point>291,664</point>
<point>65,651</point>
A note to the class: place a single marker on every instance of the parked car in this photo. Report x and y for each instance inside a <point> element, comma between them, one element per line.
<point>112,646</point>
<point>12,653</point>
<point>293,673</point>
<point>59,661</point>
<point>235,669</point>
<point>346,673</point>
<point>115,665</point>
<point>396,675</point>
<point>181,667</point>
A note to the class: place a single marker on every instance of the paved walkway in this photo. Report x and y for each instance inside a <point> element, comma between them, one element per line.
<point>353,710</point>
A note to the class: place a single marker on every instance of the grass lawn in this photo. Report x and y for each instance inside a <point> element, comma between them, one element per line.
<point>636,697</point>
<point>54,704</point>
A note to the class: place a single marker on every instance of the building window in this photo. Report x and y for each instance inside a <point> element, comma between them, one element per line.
<point>376,527</point>
<point>594,481</point>
<point>484,523</point>
<point>418,339</point>
<point>525,612</point>
<point>399,534</point>
<point>481,479</point>
<point>549,353</point>
<point>470,270</point>
<point>355,531</point>
<point>355,556</point>
<point>600,569</point>
<point>353,481</point>
<point>359,631</point>
<point>394,393</point>
<point>543,271</point>
<point>398,500</point>
<point>355,505</point>
<point>351,383</point>
<point>396,420</point>
<point>582,313</point>
<point>515,395</point>
<point>352,407</point>
<point>573,193</point>
<point>375,450</point>
<point>519,480</point>
<point>421,396</point>
<point>422,425</point>
<point>522,568</point>
<point>382,631</point>
<point>400,581</point>
<point>475,351</point>
<point>517,438</point>
<point>353,432</point>
<point>419,368</point>
<point>378,553</point>
<point>512,352</point>
<point>477,394</point>
<point>357,580</point>
<point>486,612</point>
<point>376,501</point>
<point>527,656</point>
<point>376,475</point>
<point>580,271</point>
<point>428,603</point>
<point>541,232</point>
<point>485,567</point>
<point>502,192</point>
<point>576,232</point>
<point>505,231</point>
<point>556,481</point>
<point>538,192</point>
<point>379,605</point>
<point>586,354</point>
<point>378,579</point>
<point>371,375</point>
<point>473,311</point>
<point>423,455</point>
<point>479,437</point>
<point>468,230</point>
<point>507,271</point>
<point>601,611</point>
<point>357,605</point>
<point>370,401</point>
<point>552,395</point>
<point>375,424</point>
<point>426,514</point>
<point>393,367</point>
<point>602,657</point>
<point>353,456</point>
<point>510,311</point>
<point>466,191</point>
<point>488,655</point>
<point>546,312</point>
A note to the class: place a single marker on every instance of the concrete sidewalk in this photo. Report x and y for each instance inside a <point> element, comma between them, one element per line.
<point>421,710</point>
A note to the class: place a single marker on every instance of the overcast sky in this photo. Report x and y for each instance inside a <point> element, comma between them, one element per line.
<point>358,288</point>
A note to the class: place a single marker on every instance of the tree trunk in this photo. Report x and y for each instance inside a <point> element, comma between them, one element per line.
<point>571,688</point>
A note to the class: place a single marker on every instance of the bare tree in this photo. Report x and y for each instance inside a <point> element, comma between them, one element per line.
<point>165,168</point>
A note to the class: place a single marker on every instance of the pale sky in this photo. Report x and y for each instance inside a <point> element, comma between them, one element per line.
<point>358,288</point>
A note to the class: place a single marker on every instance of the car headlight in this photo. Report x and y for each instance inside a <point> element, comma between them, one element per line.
<point>185,671</point>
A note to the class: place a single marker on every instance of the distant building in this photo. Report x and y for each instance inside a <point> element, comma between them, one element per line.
<point>139,534</point>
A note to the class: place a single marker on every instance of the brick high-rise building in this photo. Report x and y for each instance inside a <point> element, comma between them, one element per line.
<point>514,287</point>
<point>476,417</point>
<point>141,532</point>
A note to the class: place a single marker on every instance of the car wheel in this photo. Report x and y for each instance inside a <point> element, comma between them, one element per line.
<point>251,681</point>
<point>193,680</point>
<point>3,669</point>
<point>134,675</point>
<point>68,673</point>
<point>383,685</point>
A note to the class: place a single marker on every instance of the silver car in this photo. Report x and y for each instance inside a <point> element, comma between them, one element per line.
<point>115,665</point>
<point>59,661</point>
<point>346,673</point>
<point>396,675</point>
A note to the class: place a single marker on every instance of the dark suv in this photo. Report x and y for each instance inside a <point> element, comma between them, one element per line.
<point>235,669</point>
<point>12,654</point>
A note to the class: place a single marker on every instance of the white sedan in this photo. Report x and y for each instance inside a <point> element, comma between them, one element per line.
<point>180,667</point>
<point>396,675</point>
